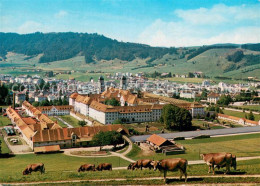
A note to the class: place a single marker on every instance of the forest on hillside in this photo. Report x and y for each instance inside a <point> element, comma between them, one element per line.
<point>60,46</point>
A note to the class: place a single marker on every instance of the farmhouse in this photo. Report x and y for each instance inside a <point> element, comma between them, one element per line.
<point>160,144</point>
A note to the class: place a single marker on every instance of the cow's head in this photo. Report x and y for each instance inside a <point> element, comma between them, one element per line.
<point>202,156</point>
<point>26,172</point>
<point>79,169</point>
<point>156,165</point>
<point>130,166</point>
<point>234,162</point>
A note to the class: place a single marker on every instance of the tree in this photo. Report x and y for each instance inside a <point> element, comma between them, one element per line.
<point>112,102</point>
<point>82,123</point>
<point>174,117</point>
<point>251,116</point>
<point>225,100</point>
<point>107,138</point>
<point>117,121</point>
<point>0,147</point>
<point>8,100</point>
<point>35,104</point>
<point>204,94</point>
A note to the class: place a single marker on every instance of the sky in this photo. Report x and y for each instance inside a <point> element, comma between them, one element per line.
<point>169,23</point>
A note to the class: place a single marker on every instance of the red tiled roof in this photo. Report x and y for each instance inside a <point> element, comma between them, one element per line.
<point>157,140</point>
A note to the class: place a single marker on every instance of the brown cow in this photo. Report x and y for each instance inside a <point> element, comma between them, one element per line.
<point>104,166</point>
<point>233,164</point>
<point>86,167</point>
<point>34,168</point>
<point>144,163</point>
<point>218,160</point>
<point>172,165</point>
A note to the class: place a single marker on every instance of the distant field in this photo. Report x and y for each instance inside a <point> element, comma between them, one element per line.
<point>186,80</point>
<point>241,145</point>
<point>71,120</point>
<point>240,114</point>
<point>254,107</point>
<point>211,62</point>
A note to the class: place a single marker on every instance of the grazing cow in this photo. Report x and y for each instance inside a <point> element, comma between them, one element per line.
<point>219,160</point>
<point>34,168</point>
<point>144,163</point>
<point>171,165</point>
<point>104,166</point>
<point>233,164</point>
<point>86,167</point>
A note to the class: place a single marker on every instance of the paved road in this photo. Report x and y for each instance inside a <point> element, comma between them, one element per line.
<point>191,134</point>
<point>66,123</point>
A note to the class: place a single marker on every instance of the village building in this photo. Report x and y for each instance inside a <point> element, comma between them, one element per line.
<point>40,131</point>
<point>19,97</point>
<point>56,110</point>
<point>132,109</point>
<point>241,121</point>
<point>213,97</point>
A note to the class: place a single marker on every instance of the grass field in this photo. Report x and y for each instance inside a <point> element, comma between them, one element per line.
<point>240,114</point>
<point>58,166</point>
<point>4,148</point>
<point>195,181</point>
<point>241,145</point>
<point>199,124</point>
<point>4,121</point>
<point>59,122</point>
<point>254,107</point>
<point>71,120</point>
<point>11,171</point>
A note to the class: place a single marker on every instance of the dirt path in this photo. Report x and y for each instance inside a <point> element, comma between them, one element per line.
<point>138,179</point>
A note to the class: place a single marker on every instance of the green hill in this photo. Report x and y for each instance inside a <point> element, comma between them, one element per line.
<point>93,52</point>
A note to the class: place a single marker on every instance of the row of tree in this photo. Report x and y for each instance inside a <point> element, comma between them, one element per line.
<point>55,102</point>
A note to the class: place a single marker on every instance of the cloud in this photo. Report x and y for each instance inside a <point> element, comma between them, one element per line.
<point>219,24</point>
<point>30,26</point>
<point>61,14</point>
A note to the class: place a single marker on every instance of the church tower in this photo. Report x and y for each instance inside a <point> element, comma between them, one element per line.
<point>101,84</point>
<point>123,84</point>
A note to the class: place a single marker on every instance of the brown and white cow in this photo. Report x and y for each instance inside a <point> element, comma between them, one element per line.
<point>34,168</point>
<point>172,165</point>
<point>143,163</point>
<point>87,167</point>
<point>218,160</point>
<point>104,166</point>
